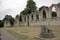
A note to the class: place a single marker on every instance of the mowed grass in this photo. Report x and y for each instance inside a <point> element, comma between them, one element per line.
<point>25,33</point>
<point>30,33</point>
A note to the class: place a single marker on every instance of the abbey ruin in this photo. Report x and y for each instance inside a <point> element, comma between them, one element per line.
<point>43,16</point>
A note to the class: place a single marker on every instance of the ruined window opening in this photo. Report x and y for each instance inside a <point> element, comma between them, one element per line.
<point>20,18</point>
<point>54,14</point>
<point>28,17</point>
<point>32,16</point>
<point>54,9</point>
<point>37,17</point>
<point>25,18</point>
<point>44,14</point>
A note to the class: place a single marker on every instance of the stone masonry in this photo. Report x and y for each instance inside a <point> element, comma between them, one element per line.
<point>37,18</point>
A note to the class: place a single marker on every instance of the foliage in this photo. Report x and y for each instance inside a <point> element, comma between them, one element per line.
<point>30,7</point>
<point>17,16</point>
<point>25,11</point>
<point>9,18</point>
<point>1,23</point>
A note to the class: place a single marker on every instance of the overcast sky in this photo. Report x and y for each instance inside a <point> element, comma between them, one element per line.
<point>14,7</point>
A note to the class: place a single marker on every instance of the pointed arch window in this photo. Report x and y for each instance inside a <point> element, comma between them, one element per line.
<point>37,17</point>
<point>54,14</point>
<point>44,14</point>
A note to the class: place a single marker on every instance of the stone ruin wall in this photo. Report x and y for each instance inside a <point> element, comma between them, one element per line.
<point>49,20</point>
<point>27,19</point>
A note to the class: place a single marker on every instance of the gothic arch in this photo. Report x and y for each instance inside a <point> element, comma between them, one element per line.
<point>53,9</point>
<point>37,17</point>
<point>53,12</point>
<point>44,14</point>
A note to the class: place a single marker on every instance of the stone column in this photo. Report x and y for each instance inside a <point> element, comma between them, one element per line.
<point>58,11</point>
<point>40,15</point>
<point>7,23</point>
<point>47,13</point>
<point>30,17</point>
<point>22,18</point>
<point>34,16</point>
<point>28,20</point>
<point>50,11</point>
<point>17,22</point>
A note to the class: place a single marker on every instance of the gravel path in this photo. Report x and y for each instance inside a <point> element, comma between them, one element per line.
<point>4,35</point>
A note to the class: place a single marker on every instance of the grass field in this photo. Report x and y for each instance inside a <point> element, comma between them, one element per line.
<point>30,33</point>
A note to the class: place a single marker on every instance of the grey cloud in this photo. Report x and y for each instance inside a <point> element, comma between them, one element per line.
<point>7,12</point>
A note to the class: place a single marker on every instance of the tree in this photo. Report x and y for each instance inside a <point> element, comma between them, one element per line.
<point>24,12</point>
<point>1,23</point>
<point>30,7</point>
<point>9,18</point>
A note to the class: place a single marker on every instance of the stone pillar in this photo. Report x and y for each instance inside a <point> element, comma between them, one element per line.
<point>58,11</point>
<point>7,23</point>
<point>47,13</point>
<point>40,15</point>
<point>34,16</point>
<point>17,21</point>
<point>22,18</point>
<point>50,9</point>
<point>30,17</point>
<point>28,20</point>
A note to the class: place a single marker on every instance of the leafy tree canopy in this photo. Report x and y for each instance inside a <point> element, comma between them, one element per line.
<point>30,7</point>
<point>10,18</point>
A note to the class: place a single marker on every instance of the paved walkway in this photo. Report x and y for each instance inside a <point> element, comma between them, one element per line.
<point>4,35</point>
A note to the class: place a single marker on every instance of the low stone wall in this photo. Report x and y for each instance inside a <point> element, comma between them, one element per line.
<point>55,21</point>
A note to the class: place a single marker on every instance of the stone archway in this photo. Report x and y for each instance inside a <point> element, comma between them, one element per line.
<point>53,13</point>
<point>54,8</point>
<point>37,17</point>
<point>44,14</point>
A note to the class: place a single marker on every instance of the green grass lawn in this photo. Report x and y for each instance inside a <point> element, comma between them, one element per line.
<point>24,33</point>
<point>30,33</point>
